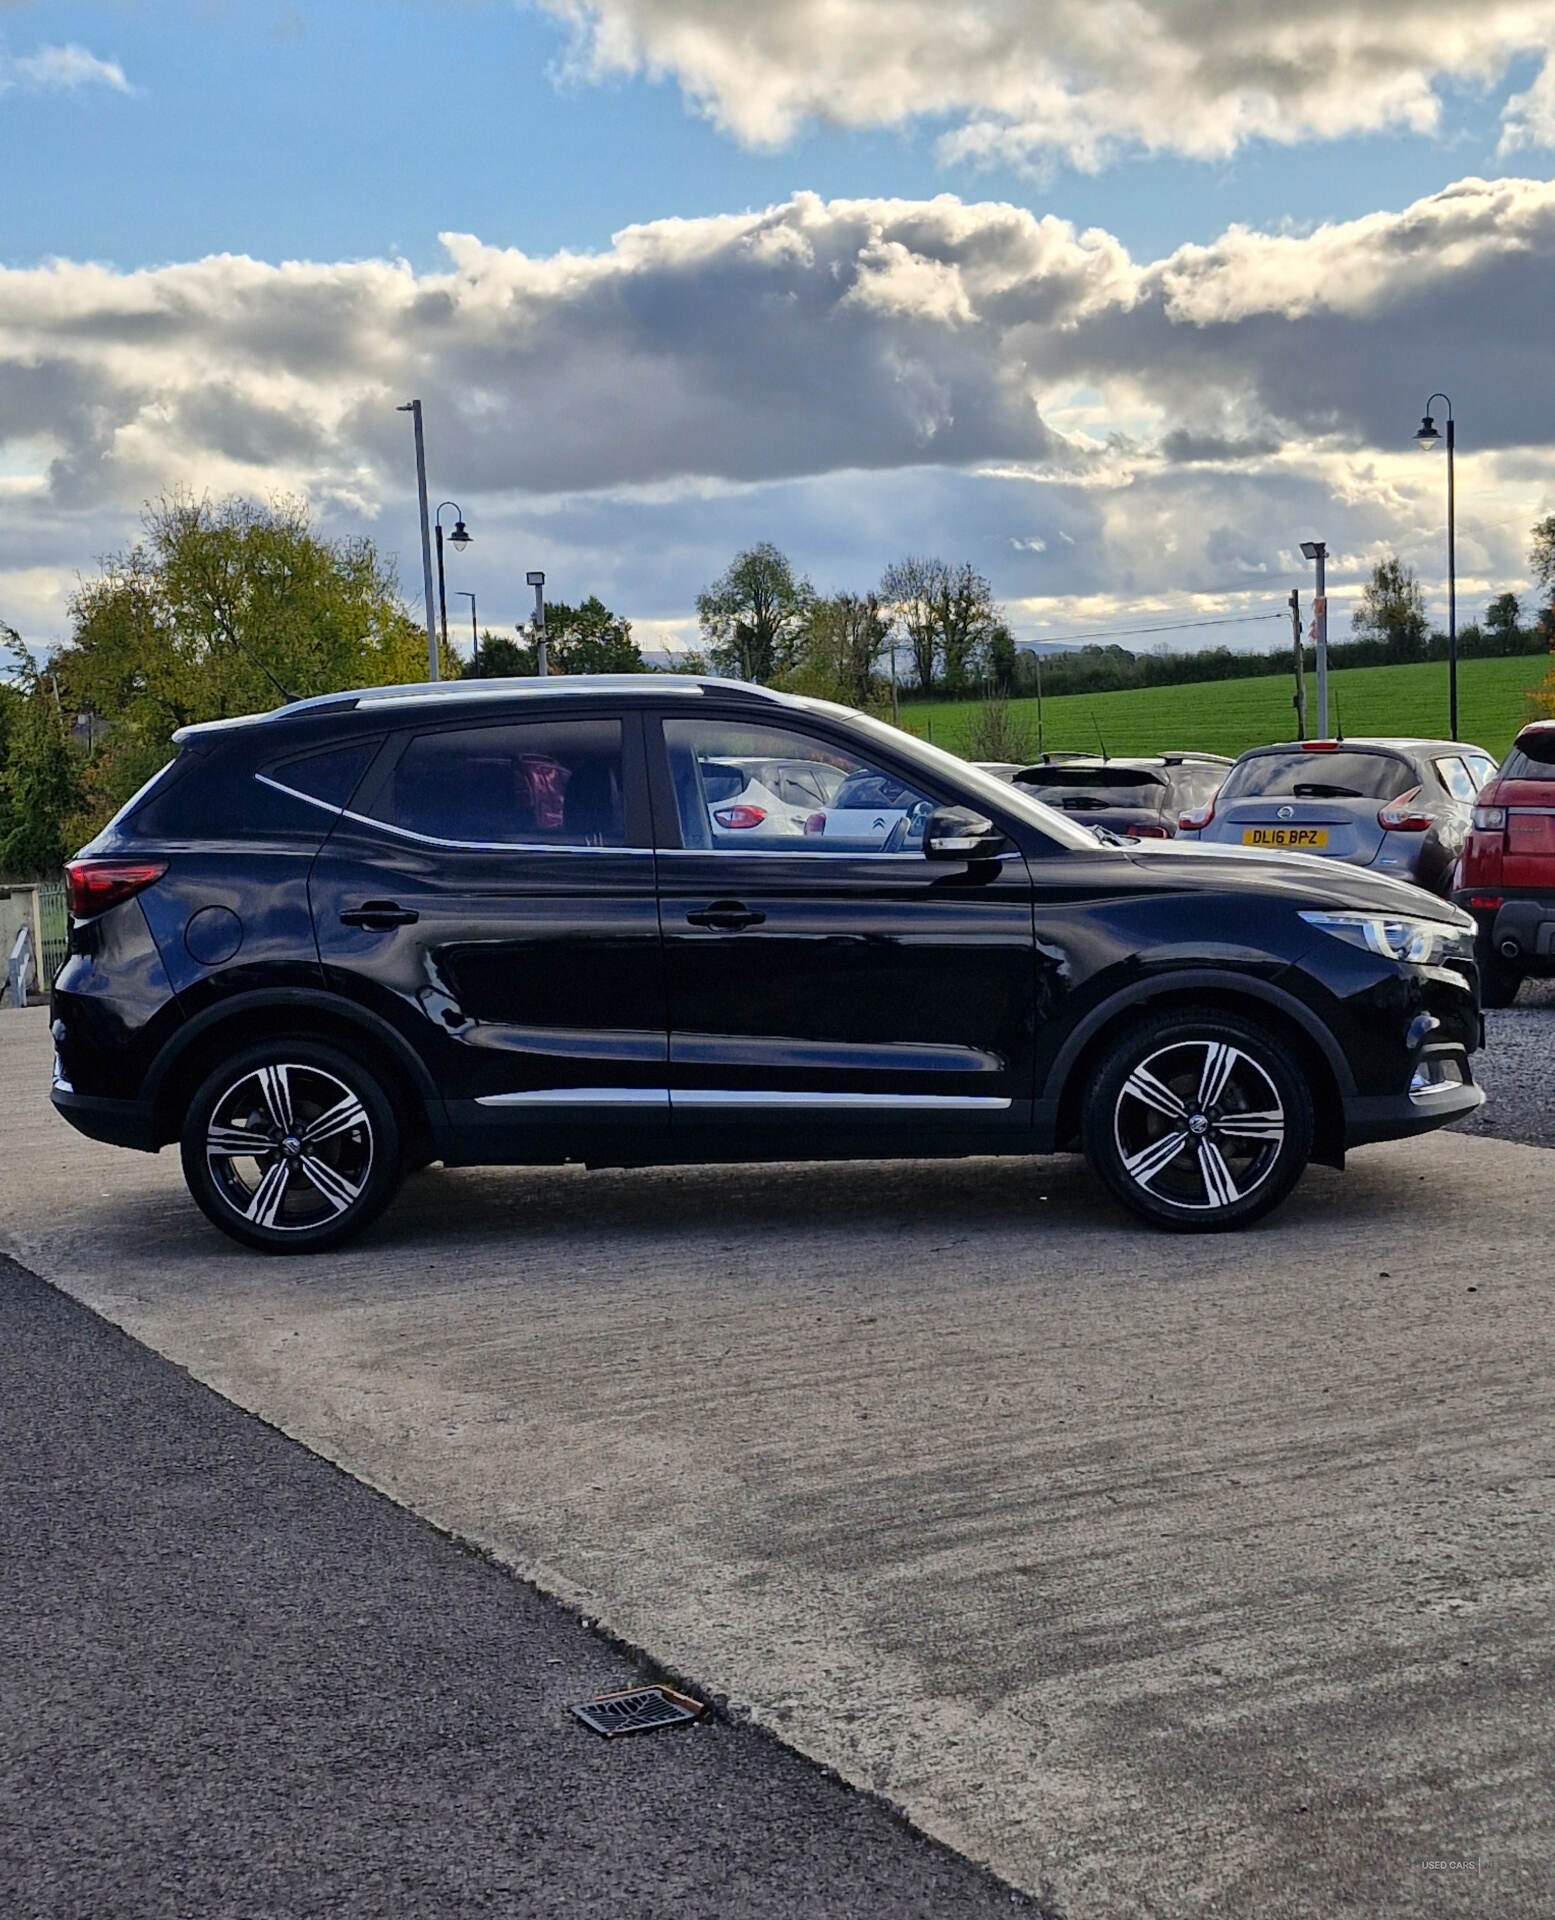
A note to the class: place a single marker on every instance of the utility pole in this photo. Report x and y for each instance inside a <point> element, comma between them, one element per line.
<point>1299,699</point>
<point>413,408</point>
<point>542,660</point>
<point>475,635</point>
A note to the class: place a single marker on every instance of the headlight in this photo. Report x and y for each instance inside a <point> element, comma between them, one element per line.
<point>1421,942</point>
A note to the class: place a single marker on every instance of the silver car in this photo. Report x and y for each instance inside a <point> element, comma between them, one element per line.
<point>1403,807</point>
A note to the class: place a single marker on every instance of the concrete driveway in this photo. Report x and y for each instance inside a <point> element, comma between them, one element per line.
<point>1195,1575</point>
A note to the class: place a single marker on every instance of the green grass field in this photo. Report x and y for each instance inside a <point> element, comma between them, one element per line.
<point>1228,716</point>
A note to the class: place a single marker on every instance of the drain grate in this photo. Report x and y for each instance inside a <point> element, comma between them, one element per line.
<point>642,1710</point>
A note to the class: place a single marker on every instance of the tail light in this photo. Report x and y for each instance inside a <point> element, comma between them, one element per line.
<point>1402,816</point>
<point>93,886</point>
<point>1320,746</point>
<point>816,823</point>
<point>1196,818</point>
<point>1490,819</point>
<point>1486,902</point>
<point>739,816</point>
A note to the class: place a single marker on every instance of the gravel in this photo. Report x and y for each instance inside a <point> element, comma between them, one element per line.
<point>1517,1070</point>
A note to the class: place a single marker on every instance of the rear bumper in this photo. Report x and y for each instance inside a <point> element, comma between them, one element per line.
<point>1525,921</point>
<point>121,1123</point>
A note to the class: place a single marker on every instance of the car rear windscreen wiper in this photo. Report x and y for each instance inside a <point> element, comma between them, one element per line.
<point>1314,791</point>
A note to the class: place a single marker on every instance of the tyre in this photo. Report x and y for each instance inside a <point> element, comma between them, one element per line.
<point>1198,1122</point>
<point>291,1146</point>
<point>1498,982</point>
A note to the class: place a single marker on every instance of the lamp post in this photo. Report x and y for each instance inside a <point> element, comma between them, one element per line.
<point>458,539</point>
<point>475,635</point>
<point>413,408</point>
<point>1428,437</point>
<point>1318,550</point>
<point>542,660</point>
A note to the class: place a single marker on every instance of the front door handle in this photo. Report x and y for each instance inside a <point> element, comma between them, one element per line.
<point>726,916</point>
<point>379,915</point>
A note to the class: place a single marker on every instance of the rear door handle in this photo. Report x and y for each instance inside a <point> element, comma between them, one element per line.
<point>726,916</point>
<point>379,915</point>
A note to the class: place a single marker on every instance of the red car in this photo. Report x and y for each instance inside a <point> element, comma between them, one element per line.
<point>1506,876</point>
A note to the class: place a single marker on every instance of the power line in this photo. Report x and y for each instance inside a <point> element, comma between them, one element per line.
<point>1175,626</point>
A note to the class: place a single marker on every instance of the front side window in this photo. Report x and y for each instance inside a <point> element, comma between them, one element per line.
<point>553,783</point>
<point>741,788</point>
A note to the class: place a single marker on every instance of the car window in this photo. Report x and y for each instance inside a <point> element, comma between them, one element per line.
<point>1481,766</point>
<point>529,783</point>
<point>1095,789</point>
<point>1198,785</point>
<point>1325,774</point>
<point>1456,778</point>
<point>1532,758</point>
<point>329,777</point>
<point>832,801</point>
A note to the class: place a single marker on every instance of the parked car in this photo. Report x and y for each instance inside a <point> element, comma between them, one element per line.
<point>1142,797</point>
<point>493,922</point>
<point>768,799</point>
<point>1401,807</point>
<point>1506,877</point>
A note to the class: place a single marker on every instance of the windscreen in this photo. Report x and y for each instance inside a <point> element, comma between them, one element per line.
<point>1350,773</point>
<point>1087,789</point>
<point>1532,758</point>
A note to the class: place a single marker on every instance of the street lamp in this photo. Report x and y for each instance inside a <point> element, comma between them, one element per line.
<point>459,539</point>
<point>475,635</point>
<point>1428,438</point>
<point>1318,550</point>
<point>542,661</point>
<point>413,408</point>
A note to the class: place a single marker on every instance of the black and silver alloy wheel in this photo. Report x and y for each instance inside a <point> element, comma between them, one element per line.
<point>291,1147</point>
<point>1199,1122</point>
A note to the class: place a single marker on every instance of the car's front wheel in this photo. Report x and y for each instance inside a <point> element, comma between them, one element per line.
<point>291,1146</point>
<point>1198,1122</point>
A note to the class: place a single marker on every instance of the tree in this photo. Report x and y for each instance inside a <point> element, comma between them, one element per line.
<point>1000,661</point>
<point>838,649</point>
<point>967,618</point>
<point>583,639</point>
<point>40,789</point>
<point>1502,618</point>
<point>909,588</point>
<point>1541,564</point>
<point>221,609</point>
<point>752,616</point>
<point>1392,611</point>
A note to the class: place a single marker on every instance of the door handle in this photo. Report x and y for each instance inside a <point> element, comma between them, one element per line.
<point>379,915</point>
<point>726,916</point>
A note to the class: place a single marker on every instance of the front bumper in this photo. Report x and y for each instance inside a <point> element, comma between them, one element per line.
<point>1442,1090</point>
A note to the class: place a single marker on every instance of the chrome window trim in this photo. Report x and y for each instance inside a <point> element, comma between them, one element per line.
<point>292,794</point>
<point>784,853</point>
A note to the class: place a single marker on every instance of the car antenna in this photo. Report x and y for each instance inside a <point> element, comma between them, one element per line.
<point>1099,741</point>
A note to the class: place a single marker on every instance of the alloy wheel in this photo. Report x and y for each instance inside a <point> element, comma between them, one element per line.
<point>1199,1125</point>
<point>289,1147</point>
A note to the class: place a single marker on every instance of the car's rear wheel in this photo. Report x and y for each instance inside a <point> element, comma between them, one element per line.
<point>1198,1122</point>
<point>291,1146</point>
<point>1498,982</point>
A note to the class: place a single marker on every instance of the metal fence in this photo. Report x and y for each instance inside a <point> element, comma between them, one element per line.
<point>53,931</point>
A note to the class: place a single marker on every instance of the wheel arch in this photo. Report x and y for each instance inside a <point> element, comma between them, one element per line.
<point>294,1014</point>
<point>1204,989</point>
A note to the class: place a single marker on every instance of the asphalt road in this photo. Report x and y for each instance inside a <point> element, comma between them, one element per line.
<point>234,1681</point>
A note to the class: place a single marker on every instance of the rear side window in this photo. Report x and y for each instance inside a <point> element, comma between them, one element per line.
<point>1456,778</point>
<point>330,777</point>
<point>1197,786</point>
<point>1532,758</point>
<point>1348,774</point>
<point>527,783</point>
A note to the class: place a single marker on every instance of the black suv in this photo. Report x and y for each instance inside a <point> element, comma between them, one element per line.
<point>524,922</point>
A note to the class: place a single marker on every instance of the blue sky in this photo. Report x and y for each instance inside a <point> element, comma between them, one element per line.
<point>1135,425</point>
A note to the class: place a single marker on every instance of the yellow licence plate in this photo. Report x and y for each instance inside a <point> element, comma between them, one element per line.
<point>1296,837</point>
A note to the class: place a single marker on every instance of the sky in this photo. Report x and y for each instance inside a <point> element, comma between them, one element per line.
<point>1120,300</point>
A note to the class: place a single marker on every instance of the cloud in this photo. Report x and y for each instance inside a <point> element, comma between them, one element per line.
<point>1528,119</point>
<point>60,70</point>
<point>871,375</point>
<point>1024,80</point>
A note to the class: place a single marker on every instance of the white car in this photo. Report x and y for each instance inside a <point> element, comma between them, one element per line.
<point>753,800</point>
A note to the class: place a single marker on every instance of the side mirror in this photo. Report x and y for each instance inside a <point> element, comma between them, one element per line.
<point>957,833</point>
